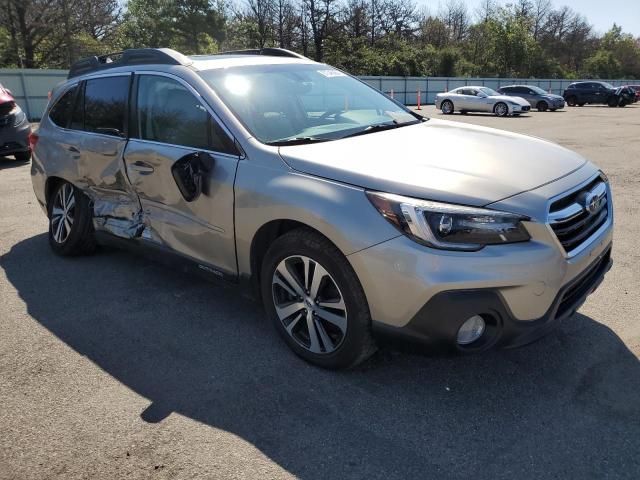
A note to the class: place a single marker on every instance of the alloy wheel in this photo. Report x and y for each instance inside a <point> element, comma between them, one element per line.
<point>447,108</point>
<point>309,304</point>
<point>62,213</point>
<point>501,110</point>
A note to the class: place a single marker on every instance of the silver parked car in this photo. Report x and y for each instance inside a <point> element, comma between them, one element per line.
<point>536,96</point>
<point>314,191</point>
<point>480,99</point>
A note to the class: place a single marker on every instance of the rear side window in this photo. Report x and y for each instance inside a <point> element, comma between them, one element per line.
<point>105,105</point>
<point>61,112</point>
<point>169,113</point>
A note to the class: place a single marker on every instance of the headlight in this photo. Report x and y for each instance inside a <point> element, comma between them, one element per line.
<point>19,116</point>
<point>448,226</point>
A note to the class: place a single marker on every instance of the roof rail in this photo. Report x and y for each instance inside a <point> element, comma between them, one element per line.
<point>134,56</point>
<point>267,51</point>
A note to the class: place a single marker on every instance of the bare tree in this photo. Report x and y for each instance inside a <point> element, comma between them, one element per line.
<point>455,16</point>
<point>262,11</point>
<point>321,16</point>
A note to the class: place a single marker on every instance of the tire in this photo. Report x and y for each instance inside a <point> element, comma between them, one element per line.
<point>612,102</point>
<point>500,109</point>
<point>70,222</point>
<point>581,104</point>
<point>542,106</point>
<point>343,342</point>
<point>572,101</point>
<point>447,107</point>
<point>23,156</point>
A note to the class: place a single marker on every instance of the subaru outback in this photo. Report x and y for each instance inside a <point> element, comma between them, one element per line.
<point>348,215</point>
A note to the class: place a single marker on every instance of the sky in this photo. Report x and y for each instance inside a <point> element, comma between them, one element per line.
<point>600,13</point>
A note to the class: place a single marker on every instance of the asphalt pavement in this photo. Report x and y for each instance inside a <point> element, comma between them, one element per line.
<point>112,366</point>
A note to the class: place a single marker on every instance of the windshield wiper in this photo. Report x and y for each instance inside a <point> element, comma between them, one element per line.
<point>297,141</point>
<point>378,127</point>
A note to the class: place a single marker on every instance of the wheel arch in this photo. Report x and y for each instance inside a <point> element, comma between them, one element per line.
<point>50,186</point>
<point>264,238</point>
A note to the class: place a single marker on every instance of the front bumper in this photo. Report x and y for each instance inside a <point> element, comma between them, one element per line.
<point>520,108</point>
<point>522,285</point>
<point>438,321</point>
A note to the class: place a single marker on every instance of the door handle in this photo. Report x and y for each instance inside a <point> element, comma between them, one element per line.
<point>73,149</point>
<point>142,167</point>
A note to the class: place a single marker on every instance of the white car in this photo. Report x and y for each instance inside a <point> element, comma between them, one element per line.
<point>480,99</point>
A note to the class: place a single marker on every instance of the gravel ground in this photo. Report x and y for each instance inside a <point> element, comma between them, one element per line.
<point>115,367</point>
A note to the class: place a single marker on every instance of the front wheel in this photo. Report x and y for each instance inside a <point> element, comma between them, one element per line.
<point>315,300</point>
<point>572,101</point>
<point>70,221</point>
<point>447,107</point>
<point>542,106</point>
<point>501,109</point>
<point>612,102</point>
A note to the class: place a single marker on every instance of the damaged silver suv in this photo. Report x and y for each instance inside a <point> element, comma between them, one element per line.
<point>344,211</point>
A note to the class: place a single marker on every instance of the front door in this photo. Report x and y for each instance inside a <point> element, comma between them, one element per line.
<point>171,126</point>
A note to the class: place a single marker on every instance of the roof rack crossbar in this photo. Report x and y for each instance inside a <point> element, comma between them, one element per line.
<point>134,56</point>
<point>267,51</point>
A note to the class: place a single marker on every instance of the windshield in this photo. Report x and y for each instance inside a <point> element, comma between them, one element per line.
<point>538,90</point>
<point>489,91</point>
<point>303,102</point>
<point>607,85</point>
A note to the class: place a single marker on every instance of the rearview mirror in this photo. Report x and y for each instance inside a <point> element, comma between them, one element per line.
<point>189,172</point>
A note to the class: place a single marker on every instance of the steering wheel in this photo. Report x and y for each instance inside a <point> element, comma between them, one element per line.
<point>334,111</point>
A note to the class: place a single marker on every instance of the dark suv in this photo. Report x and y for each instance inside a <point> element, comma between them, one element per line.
<point>580,93</point>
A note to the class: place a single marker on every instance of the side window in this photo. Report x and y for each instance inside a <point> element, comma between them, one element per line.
<point>169,113</point>
<point>60,114</point>
<point>105,104</point>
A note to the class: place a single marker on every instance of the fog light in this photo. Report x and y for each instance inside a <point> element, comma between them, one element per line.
<point>471,330</point>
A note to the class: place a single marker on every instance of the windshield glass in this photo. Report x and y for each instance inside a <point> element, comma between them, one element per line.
<point>538,90</point>
<point>277,103</point>
<point>488,91</point>
<point>607,85</point>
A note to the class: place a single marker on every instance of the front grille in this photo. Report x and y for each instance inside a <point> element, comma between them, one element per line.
<point>576,293</point>
<point>526,109</point>
<point>577,216</point>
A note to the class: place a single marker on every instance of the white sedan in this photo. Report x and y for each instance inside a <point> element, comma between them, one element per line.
<point>480,99</point>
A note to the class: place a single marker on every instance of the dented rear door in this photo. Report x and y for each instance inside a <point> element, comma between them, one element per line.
<point>103,108</point>
<point>170,124</point>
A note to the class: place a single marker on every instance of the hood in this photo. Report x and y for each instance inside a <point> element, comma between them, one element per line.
<point>509,98</point>
<point>553,96</point>
<point>438,160</point>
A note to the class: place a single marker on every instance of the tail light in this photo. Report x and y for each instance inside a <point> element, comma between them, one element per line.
<point>33,140</point>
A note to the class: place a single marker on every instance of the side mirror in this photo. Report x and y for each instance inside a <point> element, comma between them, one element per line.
<point>189,172</point>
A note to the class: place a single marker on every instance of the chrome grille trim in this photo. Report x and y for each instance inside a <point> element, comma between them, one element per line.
<point>581,215</point>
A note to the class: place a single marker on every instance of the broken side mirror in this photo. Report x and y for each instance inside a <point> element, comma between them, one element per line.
<point>189,173</point>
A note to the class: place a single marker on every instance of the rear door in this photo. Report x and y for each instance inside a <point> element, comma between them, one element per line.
<point>101,118</point>
<point>171,126</point>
